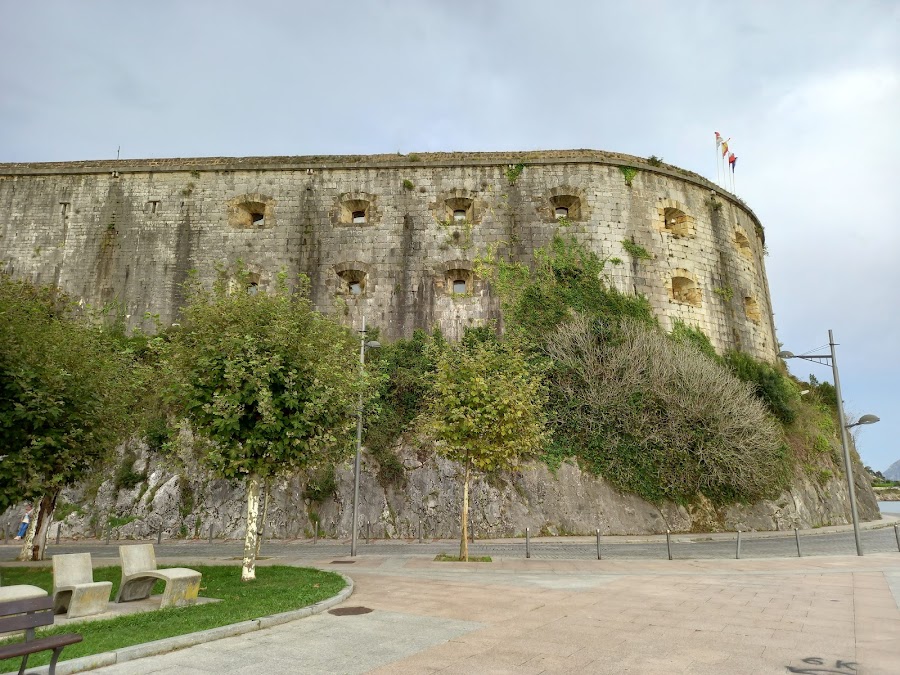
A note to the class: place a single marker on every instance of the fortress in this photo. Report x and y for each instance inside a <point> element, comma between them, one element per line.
<point>391,237</point>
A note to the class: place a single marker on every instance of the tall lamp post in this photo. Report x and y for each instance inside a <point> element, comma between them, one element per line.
<point>359,427</point>
<point>865,419</point>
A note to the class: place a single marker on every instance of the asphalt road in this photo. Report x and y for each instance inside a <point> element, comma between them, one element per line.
<point>684,547</point>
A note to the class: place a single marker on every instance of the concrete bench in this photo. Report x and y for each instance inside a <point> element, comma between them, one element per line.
<point>26,615</point>
<point>139,573</point>
<point>74,589</point>
<point>20,592</point>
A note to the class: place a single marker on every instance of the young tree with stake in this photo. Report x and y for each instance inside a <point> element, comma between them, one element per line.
<point>486,410</point>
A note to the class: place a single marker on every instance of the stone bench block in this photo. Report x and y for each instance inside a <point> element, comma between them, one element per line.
<point>74,590</point>
<point>139,573</point>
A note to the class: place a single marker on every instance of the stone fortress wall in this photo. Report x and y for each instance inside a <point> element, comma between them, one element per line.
<point>394,237</point>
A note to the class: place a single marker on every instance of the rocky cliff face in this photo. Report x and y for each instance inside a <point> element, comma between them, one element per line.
<point>188,502</point>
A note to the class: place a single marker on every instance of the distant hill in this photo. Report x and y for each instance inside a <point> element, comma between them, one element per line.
<point>893,471</point>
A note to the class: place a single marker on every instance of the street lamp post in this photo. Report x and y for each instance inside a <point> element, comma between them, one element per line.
<point>845,446</point>
<point>359,427</point>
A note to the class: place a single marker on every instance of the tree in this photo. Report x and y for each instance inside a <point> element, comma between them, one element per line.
<point>486,409</point>
<point>267,380</point>
<point>67,387</point>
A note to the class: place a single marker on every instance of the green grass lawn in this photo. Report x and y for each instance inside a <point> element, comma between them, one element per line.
<point>276,589</point>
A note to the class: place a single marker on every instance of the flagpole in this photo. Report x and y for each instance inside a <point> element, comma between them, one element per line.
<point>718,171</point>
<point>725,162</point>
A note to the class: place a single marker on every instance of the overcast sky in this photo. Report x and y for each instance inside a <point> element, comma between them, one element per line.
<point>808,91</point>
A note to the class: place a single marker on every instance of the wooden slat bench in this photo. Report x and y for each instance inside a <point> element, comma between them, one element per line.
<point>26,615</point>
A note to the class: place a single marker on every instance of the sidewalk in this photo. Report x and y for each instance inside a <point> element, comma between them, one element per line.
<point>887,520</point>
<point>525,616</point>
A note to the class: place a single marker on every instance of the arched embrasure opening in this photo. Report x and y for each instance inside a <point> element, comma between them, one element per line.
<point>677,222</point>
<point>686,290</point>
<point>353,282</point>
<point>566,206</point>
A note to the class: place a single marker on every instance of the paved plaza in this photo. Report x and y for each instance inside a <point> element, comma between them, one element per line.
<point>807,615</point>
<point>637,612</point>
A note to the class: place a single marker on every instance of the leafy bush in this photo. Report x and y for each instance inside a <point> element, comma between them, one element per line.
<point>404,367</point>
<point>629,172</point>
<point>566,277</point>
<point>126,477</point>
<point>157,433</point>
<point>661,419</point>
<point>771,386</point>
<point>694,337</point>
<point>321,484</point>
<point>824,393</point>
<point>513,173</point>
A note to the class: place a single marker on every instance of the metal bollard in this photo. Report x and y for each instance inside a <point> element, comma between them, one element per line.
<point>210,534</point>
<point>159,536</point>
<point>472,534</point>
<point>316,533</point>
<point>527,543</point>
<point>599,557</point>
<point>669,544</point>
<point>6,533</point>
<point>897,536</point>
<point>737,552</point>
<point>797,537</point>
<point>58,531</point>
<point>420,530</point>
<point>368,527</point>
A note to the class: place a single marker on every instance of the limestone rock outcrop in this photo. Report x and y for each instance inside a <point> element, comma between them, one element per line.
<point>187,502</point>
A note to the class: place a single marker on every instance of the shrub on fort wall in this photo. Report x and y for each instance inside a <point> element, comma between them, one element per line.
<point>661,419</point>
<point>404,369</point>
<point>774,388</point>
<point>566,277</point>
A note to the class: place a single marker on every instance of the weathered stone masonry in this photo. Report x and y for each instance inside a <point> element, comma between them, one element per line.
<point>395,237</point>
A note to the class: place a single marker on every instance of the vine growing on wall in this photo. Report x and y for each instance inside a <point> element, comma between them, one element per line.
<point>636,251</point>
<point>724,292</point>
<point>460,233</point>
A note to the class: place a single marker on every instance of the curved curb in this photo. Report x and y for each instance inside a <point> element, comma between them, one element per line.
<point>166,645</point>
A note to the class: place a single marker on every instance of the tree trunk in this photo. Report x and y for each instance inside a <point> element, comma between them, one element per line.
<point>25,553</point>
<point>42,528</point>
<point>261,528</point>
<point>248,570</point>
<point>464,542</point>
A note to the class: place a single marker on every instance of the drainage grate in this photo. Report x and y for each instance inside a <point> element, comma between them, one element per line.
<point>342,562</point>
<point>349,611</point>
